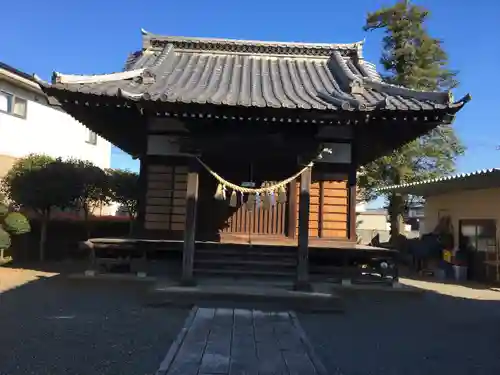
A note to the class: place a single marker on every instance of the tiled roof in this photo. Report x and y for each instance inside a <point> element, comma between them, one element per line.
<point>17,72</point>
<point>253,74</point>
<point>481,179</point>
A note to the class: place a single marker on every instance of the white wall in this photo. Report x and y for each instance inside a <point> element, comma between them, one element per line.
<point>361,206</point>
<point>47,130</point>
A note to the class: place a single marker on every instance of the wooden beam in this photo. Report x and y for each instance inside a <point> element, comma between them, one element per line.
<point>351,216</point>
<point>351,184</point>
<point>292,210</point>
<point>141,202</point>
<point>190,226</point>
<point>302,282</point>
<point>320,207</point>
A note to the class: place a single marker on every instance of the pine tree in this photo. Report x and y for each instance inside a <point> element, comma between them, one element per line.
<point>414,59</point>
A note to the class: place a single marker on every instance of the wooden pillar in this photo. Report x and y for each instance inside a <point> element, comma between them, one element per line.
<point>292,210</point>
<point>302,282</point>
<point>352,183</point>
<point>321,208</point>
<point>190,226</point>
<point>351,215</point>
<point>138,225</point>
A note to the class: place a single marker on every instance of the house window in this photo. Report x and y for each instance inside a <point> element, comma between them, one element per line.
<point>479,235</point>
<point>13,105</point>
<point>91,137</point>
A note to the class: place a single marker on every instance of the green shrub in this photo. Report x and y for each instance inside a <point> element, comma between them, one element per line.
<point>11,224</point>
<point>4,210</point>
<point>4,239</point>
<point>16,223</point>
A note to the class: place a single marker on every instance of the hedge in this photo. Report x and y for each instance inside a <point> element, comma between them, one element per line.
<point>63,237</point>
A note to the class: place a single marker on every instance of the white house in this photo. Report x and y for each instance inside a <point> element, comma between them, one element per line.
<point>28,124</point>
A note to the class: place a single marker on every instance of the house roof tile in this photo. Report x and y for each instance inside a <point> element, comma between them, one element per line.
<point>481,179</point>
<point>254,74</point>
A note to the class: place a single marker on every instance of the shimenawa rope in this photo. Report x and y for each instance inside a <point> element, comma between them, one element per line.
<point>244,190</point>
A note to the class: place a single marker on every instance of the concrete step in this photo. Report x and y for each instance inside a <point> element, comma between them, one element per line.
<point>271,251</point>
<point>246,257</point>
<point>253,261</point>
<point>244,272</point>
<point>262,263</point>
<point>244,296</point>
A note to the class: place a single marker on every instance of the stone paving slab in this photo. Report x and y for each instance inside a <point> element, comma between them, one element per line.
<point>241,342</point>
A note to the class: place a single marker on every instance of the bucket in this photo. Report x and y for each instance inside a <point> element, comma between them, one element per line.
<point>460,273</point>
<point>440,274</point>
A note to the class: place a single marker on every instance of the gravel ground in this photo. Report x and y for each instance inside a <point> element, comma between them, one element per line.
<point>431,334</point>
<point>56,326</point>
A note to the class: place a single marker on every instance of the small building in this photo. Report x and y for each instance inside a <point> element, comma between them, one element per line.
<point>471,201</point>
<point>294,119</point>
<point>29,123</point>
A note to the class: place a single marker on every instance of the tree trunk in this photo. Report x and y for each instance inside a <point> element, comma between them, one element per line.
<point>1,254</point>
<point>396,210</point>
<point>395,214</point>
<point>86,220</point>
<point>131,225</point>
<point>43,234</point>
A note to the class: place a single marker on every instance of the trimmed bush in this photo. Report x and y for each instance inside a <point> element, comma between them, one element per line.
<point>63,237</point>
<point>5,241</point>
<point>16,223</point>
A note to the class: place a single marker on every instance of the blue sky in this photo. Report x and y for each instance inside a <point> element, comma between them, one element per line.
<point>96,36</point>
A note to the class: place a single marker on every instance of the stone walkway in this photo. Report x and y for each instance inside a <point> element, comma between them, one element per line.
<point>238,342</point>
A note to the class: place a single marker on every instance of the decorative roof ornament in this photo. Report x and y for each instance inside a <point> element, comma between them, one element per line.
<point>98,78</point>
<point>147,77</point>
<point>129,95</point>
<point>248,46</point>
<point>356,86</point>
<point>359,49</point>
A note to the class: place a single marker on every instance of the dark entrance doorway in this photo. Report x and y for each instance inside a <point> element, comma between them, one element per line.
<point>218,221</point>
<point>478,239</point>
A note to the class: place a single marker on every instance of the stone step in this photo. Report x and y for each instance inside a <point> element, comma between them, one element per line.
<point>246,247</point>
<point>236,257</point>
<point>245,255</point>
<point>235,296</point>
<point>249,262</point>
<point>243,272</point>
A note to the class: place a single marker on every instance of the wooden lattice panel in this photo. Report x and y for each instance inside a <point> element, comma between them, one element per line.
<point>166,197</point>
<point>328,209</point>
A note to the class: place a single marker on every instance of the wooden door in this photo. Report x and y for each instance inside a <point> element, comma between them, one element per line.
<point>329,206</point>
<point>257,220</point>
<point>218,221</point>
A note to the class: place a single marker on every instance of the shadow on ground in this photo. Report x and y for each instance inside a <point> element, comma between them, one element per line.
<point>53,325</point>
<point>393,335</point>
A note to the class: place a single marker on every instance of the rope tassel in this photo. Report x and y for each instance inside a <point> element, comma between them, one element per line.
<point>250,202</point>
<point>272,198</point>
<point>266,199</point>
<point>219,193</point>
<point>233,201</point>
<point>282,194</point>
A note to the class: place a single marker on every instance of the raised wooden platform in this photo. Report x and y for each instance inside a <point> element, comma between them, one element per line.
<point>111,242</point>
<point>328,260</point>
